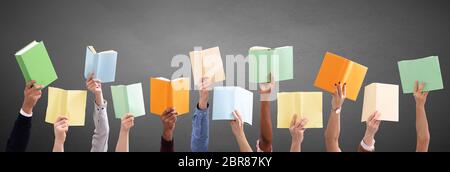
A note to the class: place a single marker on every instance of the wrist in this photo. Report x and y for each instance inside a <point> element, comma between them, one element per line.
<point>167,135</point>
<point>59,141</point>
<point>27,109</point>
<point>420,106</point>
<point>368,139</point>
<point>203,105</point>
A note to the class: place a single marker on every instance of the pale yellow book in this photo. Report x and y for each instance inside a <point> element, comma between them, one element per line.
<point>207,63</point>
<point>382,98</point>
<point>68,103</point>
<point>304,104</point>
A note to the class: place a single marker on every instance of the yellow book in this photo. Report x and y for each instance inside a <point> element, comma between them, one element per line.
<point>68,103</point>
<point>382,98</point>
<point>207,63</point>
<point>304,104</point>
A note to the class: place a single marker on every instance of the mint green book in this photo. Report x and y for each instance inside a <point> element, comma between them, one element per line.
<point>265,61</point>
<point>128,99</point>
<point>35,64</point>
<point>423,70</point>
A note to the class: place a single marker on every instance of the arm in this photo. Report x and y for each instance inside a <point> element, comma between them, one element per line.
<point>297,130</point>
<point>200,130</point>
<point>334,122</point>
<point>61,126</point>
<point>126,124</point>
<point>372,125</point>
<point>237,126</point>
<point>200,121</point>
<point>168,118</point>
<point>423,133</point>
<point>265,141</point>
<point>101,131</point>
<point>20,134</point>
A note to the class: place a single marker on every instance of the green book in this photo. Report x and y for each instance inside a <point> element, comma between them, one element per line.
<point>36,64</point>
<point>423,70</point>
<point>128,99</point>
<point>265,61</point>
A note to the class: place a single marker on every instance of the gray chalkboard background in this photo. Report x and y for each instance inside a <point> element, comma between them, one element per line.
<point>148,33</point>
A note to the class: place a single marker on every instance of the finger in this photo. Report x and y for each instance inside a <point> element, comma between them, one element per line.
<point>38,87</point>
<point>90,77</point>
<point>30,84</point>
<point>371,116</point>
<point>344,90</point>
<point>303,122</point>
<point>421,87</point>
<point>416,86</point>
<point>336,92</point>
<point>236,117</point>
<point>426,94</point>
<point>339,89</point>
<point>294,118</point>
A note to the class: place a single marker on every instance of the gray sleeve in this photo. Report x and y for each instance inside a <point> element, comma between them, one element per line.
<point>101,132</point>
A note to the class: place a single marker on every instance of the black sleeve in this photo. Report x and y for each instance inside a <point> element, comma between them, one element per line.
<point>20,134</point>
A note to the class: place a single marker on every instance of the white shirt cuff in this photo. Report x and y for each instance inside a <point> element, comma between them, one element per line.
<point>367,147</point>
<point>26,114</point>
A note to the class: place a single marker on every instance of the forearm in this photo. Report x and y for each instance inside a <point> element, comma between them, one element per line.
<point>200,131</point>
<point>296,146</point>
<point>101,131</point>
<point>58,146</point>
<point>122,143</point>
<point>265,127</point>
<point>243,143</point>
<point>20,134</point>
<point>423,134</point>
<point>332,133</point>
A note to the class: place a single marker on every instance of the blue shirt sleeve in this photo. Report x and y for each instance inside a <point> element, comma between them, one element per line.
<point>200,130</point>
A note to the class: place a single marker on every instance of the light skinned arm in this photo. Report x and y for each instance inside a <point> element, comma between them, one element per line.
<point>237,126</point>
<point>422,130</point>
<point>334,122</point>
<point>372,125</point>
<point>100,116</point>
<point>297,130</point>
<point>60,127</point>
<point>265,139</point>
<point>123,141</point>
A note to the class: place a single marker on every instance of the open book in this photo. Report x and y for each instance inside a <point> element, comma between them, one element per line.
<point>382,98</point>
<point>207,63</point>
<point>165,93</point>
<point>304,104</point>
<point>264,61</point>
<point>336,69</point>
<point>128,99</point>
<point>102,64</point>
<point>228,99</point>
<point>68,103</point>
<point>425,70</point>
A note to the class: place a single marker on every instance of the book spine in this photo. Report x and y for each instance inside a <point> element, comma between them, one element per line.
<point>347,73</point>
<point>23,68</point>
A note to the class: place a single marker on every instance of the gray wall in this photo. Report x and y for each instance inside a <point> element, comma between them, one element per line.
<point>147,34</point>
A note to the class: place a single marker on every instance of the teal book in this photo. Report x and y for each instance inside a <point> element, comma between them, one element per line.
<point>264,61</point>
<point>423,70</point>
<point>228,99</point>
<point>102,64</point>
<point>35,64</point>
<point>128,99</point>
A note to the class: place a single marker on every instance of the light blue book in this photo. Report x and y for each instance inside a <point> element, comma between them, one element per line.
<point>102,64</point>
<point>228,99</point>
<point>128,99</point>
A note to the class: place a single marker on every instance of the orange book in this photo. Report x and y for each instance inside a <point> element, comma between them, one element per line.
<point>336,69</point>
<point>165,93</point>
